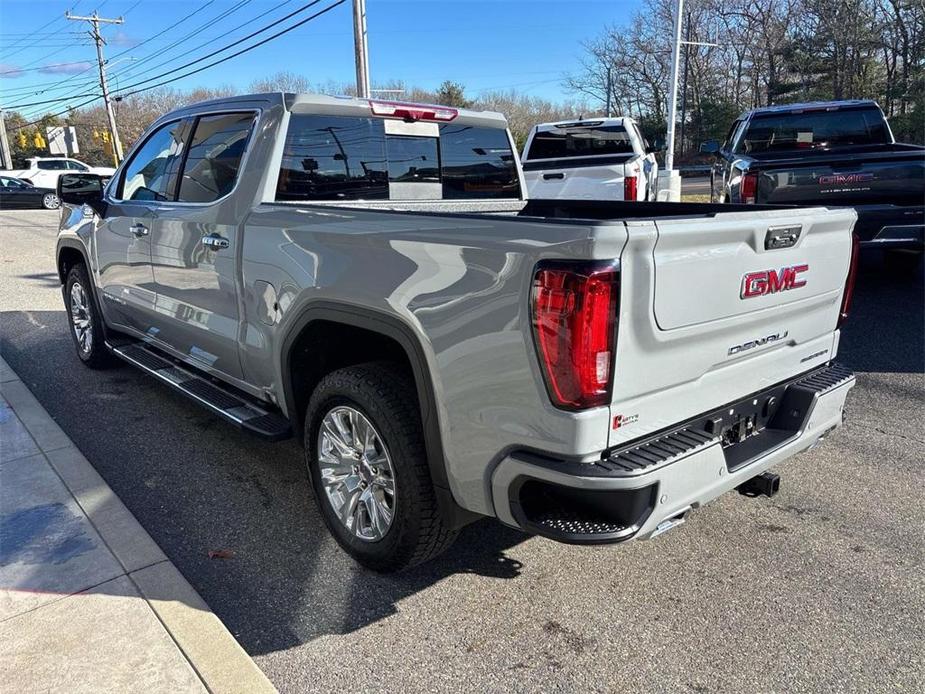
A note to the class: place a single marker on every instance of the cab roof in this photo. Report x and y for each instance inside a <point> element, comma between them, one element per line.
<point>811,106</point>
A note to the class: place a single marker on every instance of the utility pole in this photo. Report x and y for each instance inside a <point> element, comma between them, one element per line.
<point>95,21</point>
<point>609,91</point>
<point>361,48</point>
<point>5,155</point>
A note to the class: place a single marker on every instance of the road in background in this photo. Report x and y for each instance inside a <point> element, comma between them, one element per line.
<point>817,589</point>
<point>695,185</point>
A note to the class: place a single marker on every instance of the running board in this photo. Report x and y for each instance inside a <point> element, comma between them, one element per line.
<point>237,409</point>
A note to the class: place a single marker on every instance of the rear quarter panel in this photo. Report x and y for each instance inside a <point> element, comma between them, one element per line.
<point>461,285</point>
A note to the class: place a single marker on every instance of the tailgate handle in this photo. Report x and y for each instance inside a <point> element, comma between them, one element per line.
<point>549,177</point>
<point>782,237</point>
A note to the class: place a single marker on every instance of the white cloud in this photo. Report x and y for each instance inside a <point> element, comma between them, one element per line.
<point>65,68</point>
<point>9,71</point>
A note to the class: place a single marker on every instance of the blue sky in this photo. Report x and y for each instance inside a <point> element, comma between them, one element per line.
<point>525,44</point>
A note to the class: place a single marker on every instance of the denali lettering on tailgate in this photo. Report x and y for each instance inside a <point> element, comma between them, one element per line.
<point>772,281</point>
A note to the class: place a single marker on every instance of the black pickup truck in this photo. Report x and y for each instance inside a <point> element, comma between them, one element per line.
<point>834,153</point>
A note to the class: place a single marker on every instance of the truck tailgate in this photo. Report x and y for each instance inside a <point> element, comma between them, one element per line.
<point>709,313</point>
<point>896,176</point>
<point>706,273</point>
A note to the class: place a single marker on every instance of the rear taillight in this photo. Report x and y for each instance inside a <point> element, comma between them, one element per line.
<point>629,188</point>
<point>849,282</point>
<point>413,112</point>
<point>574,320</point>
<point>748,188</point>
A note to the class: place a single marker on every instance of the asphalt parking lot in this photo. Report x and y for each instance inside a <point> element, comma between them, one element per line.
<point>818,589</point>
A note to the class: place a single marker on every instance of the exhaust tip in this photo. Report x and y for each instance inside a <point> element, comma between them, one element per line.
<point>766,484</point>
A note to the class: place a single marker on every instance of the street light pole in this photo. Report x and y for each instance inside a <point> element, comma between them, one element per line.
<point>673,93</point>
<point>687,61</point>
<point>95,21</point>
<point>361,48</point>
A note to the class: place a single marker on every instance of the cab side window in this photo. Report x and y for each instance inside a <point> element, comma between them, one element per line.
<point>52,165</point>
<point>76,166</point>
<point>214,159</point>
<point>147,175</point>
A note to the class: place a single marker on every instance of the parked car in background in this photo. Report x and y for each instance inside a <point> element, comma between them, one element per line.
<point>15,192</point>
<point>367,277</point>
<point>599,159</point>
<point>44,171</point>
<point>828,153</point>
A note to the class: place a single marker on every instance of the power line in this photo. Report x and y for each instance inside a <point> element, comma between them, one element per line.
<point>117,75</point>
<point>205,67</point>
<point>60,85</point>
<point>41,28</point>
<point>236,54</point>
<point>227,47</point>
<point>196,31</point>
<point>55,115</point>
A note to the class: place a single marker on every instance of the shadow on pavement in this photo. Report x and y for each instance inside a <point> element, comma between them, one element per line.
<point>198,485</point>
<point>885,331</point>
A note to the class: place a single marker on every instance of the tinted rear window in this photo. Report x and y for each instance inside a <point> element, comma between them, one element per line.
<point>563,143</point>
<point>814,130</point>
<point>215,153</point>
<point>477,163</point>
<point>54,165</point>
<point>348,158</point>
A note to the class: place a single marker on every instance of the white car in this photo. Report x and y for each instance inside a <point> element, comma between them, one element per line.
<point>598,159</point>
<point>43,172</point>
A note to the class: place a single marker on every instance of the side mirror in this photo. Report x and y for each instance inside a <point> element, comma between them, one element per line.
<point>709,147</point>
<point>81,189</point>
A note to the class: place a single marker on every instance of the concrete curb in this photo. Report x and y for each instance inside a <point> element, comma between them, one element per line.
<point>218,659</point>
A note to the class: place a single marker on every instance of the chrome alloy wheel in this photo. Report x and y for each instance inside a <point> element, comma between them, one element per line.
<point>50,201</point>
<point>356,473</point>
<point>80,318</point>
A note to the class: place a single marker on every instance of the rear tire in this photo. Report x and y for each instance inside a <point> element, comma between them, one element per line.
<point>365,402</point>
<point>50,201</point>
<point>85,320</point>
<point>903,263</point>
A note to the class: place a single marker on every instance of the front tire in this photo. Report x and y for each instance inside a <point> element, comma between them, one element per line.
<point>364,447</point>
<point>50,201</point>
<point>85,319</point>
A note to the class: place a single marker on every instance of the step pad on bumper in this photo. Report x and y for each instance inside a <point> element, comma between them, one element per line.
<point>766,419</point>
<point>250,415</point>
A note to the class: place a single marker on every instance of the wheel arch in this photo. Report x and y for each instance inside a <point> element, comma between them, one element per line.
<point>386,326</point>
<point>69,253</point>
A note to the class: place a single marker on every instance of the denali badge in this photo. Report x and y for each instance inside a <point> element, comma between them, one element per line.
<point>751,344</point>
<point>772,281</point>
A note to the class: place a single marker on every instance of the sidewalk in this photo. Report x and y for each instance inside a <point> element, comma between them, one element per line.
<point>88,602</point>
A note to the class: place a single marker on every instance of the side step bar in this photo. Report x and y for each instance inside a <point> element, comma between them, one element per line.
<point>237,409</point>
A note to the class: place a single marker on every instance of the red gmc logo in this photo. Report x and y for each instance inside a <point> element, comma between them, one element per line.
<point>772,281</point>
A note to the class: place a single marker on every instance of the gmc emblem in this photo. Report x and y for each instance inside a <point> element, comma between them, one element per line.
<point>772,281</point>
<point>841,179</point>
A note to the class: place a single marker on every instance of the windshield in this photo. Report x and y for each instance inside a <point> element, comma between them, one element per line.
<point>563,143</point>
<point>814,130</point>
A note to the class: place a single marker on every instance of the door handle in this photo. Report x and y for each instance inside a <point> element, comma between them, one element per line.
<point>215,242</point>
<point>553,176</point>
<point>138,230</point>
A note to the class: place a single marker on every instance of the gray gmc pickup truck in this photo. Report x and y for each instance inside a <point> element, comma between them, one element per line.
<point>368,277</point>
